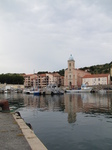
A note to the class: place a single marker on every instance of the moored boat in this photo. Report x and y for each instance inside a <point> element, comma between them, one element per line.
<point>52,89</point>
<point>34,92</point>
<point>37,93</point>
<point>83,89</point>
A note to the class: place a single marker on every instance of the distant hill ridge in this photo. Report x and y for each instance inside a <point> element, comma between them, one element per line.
<point>98,69</point>
<point>95,69</point>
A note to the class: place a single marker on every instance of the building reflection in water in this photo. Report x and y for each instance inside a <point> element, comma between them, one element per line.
<point>44,103</point>
<point>71,103</point>
<point>68,103</point>
<point>87,103</point>
<point>97,103</point>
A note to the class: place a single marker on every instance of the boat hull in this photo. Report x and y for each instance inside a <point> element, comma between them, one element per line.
<point>79,91</point>
<point>37,93</point>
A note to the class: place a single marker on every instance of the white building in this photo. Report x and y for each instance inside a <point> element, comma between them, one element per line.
<point>96,79</point>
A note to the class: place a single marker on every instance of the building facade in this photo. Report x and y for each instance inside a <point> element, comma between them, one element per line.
<point>96,79</point>
<point>73,77</point>
<point>42,80</point>
<point>30,80</point>
<point>56,78</point>
<point>111,73</point>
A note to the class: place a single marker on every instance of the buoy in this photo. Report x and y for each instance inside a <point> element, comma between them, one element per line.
<point>29,125</point>
<point>44,93</point>
<point>18,113</point>
<point>5,105</point>
<point>52,93</point>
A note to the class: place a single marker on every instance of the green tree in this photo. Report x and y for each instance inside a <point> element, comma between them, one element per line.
<point>11,78</point>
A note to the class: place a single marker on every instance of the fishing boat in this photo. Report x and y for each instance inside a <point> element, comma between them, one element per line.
<point>52,89</point>
<point>83,89</point>
<point>32,91</point>
<point>37,92</point>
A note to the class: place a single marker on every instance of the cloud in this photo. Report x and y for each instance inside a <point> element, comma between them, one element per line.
<point>41,35</point>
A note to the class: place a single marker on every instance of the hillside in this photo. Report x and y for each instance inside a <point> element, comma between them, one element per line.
<point>98,69</point>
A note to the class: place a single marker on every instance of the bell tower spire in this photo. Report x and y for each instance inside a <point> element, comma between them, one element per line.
<point>71,63</point>
<point>71,68</point>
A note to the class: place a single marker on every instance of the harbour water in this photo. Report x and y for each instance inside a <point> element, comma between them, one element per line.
<point>67,122</point>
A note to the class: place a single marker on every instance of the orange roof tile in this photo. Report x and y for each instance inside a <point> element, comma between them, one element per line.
<point>56,74</point>
<point>42,75</point>
<point>27,75</point>
<point>96,75</point>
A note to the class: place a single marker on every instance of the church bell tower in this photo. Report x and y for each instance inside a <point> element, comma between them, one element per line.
<point>71,67</point>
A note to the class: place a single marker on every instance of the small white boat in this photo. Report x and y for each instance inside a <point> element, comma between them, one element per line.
<point>37,92</point>
<point>5,91</point>
<point>26,91</point>
<point>84,89</point>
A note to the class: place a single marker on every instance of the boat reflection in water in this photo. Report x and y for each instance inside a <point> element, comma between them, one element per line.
<point>45,103</point>
<point>70,121</point>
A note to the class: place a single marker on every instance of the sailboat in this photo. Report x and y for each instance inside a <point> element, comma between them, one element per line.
<point>37,92</point>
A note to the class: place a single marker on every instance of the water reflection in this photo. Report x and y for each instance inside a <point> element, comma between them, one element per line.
<point>87,103</point>
<point>15,100</point>
<point>72,104</point>
<point>70,107</point>
<point>44,103</point>
<point>79,121</point>
<point>94,103</point>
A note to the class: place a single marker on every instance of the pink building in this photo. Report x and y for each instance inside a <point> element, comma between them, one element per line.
<point>55,78</point>
<point>73,77</point>
<point>30,80</point>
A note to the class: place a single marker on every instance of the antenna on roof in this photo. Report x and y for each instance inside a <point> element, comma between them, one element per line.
<point>34,71</point>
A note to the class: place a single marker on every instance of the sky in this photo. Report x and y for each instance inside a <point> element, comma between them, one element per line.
<point>40,35</point>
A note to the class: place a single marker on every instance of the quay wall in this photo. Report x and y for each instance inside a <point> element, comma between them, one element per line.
<point>9,86</point>
<point>31,138</point>
<point>96,88</point>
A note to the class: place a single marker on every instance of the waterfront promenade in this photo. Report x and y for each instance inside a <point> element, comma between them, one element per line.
<point>16,135</point>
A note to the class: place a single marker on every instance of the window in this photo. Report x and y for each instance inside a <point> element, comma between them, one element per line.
<point>69,64</point>
<point>98,79</point>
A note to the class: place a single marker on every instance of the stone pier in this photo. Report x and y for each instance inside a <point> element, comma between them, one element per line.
<point>16,135</point>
